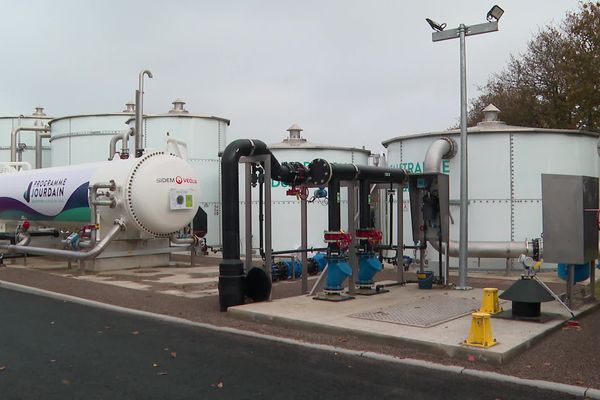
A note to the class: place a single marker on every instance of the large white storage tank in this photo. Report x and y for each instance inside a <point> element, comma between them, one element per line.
<point>505,166</point>
<point>206,137</point>
<point>26,151</point>
<point>286,209</point>
<point>77,139</point>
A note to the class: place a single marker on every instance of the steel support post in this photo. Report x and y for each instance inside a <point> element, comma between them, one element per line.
<point>248,215</point>
<point>304,240</point>
<point>352,216</point>
<point>268,220</point>
<point>400,235</point>
<point>464,178</point>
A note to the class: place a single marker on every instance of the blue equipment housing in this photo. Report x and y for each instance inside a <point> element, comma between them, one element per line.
<point>320,260</point>
<point>581,272</point>
<point>337,272</point>
<point>368,266</point>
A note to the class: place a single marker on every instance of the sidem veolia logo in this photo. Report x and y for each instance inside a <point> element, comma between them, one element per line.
<point>178,180</point>
<point>45,189</point>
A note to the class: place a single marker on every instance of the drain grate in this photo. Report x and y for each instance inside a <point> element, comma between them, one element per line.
<point>424,313</point>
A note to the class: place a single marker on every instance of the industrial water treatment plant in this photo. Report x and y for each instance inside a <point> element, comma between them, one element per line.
<point>128,190</point>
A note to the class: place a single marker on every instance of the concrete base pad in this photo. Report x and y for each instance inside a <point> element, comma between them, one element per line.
<point>302,312</point>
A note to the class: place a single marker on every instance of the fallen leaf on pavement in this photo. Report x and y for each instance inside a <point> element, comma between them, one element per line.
<point>66,381</point>
<point>220,385</point>
<point>135,333</point>
<point>155,365</point>
<point>547,364</point>
<point>52,361</point>
<point>471,357</point>
<point>161,373</point>
<point>173,354</point>
<point>2,368</point>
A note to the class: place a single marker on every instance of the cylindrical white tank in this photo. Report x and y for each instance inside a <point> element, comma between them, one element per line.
<point>77,139</point>
<point>26,151</point>
<point>205,137</point>
<point>286,209</point>
<point>505,166</point>
<point>157,195</point>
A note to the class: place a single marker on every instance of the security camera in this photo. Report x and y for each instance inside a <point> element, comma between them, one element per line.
<point>435,26</point>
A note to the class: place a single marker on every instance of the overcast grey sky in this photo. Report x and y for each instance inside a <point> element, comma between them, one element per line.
<point>349,72</point>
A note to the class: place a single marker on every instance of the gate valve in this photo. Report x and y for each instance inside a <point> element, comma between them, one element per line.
<point>340,238</point>
<point>373,236</point>
<point>86,231</point>
<point>300,192</point>
<point>25,225</point>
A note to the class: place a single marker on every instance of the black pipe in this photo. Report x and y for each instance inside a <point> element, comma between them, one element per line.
<point>231,269</point>
<point>309,250</point>
<point>333,205</point>
<point>261,215</point>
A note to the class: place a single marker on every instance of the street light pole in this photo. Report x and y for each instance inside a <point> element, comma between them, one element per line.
<point>464,175</point>
<point>461,32</point>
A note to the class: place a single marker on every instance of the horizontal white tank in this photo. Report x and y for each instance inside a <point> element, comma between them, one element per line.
<point>25,152</point>
<point>206,137</point>
<point>77,139</point>
<point>505,164</point>
<point>286,209</point>
<point>156,195</point>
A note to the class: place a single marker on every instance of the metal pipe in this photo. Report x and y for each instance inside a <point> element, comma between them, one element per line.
<point>139,113</point>
<point>489,249</point>
<point>443,148</point>
<point>193,240</point>
<point>39,135</point>
<point>118,226</point>
<point>124,138</point>
<point>464,176</point>
<point>13,138</point>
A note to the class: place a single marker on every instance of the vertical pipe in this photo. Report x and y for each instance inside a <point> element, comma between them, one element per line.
<point>268,222</point>
<point>464,192</point>
<point>400,234</point>
<point>138,123</point>
<point>248,216</point>
<point>333,205</point>
<point>261,214</point>
<point>304,240</point>
<point>352,231</point>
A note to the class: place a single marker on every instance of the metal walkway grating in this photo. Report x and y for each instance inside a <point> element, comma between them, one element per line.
<point>424,313</point>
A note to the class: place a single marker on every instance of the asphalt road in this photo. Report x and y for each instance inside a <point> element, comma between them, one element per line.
<point>51,349</point>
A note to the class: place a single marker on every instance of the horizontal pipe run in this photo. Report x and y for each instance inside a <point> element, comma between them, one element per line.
<point>489,249</point>
<point>309,250</point>
<point>118,226</point>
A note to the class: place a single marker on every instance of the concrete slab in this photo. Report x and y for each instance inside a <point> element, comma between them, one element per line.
<point>304,312</point>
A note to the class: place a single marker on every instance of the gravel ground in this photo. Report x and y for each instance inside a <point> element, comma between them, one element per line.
<point>570,355</point>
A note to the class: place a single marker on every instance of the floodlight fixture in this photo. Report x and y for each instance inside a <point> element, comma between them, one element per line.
<point>435,26</point>
<point>495,13</point>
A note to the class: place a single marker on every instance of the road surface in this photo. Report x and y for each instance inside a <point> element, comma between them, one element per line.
<point>52,349</point>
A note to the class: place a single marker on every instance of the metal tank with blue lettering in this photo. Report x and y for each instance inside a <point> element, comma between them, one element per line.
<point>505,164</point>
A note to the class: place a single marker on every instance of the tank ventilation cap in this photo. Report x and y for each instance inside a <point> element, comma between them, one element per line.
<point>129,107</point>
<point>39,111</point>
<point>295,133</point>
<point>178,107</point>
<point>490,113</point>
<point>490,116</point>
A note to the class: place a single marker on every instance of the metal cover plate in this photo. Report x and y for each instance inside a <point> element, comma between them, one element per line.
<point>425,312</point>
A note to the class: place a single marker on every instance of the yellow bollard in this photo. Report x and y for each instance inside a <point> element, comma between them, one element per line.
<point>480,334</point>
<point>490,303</point>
